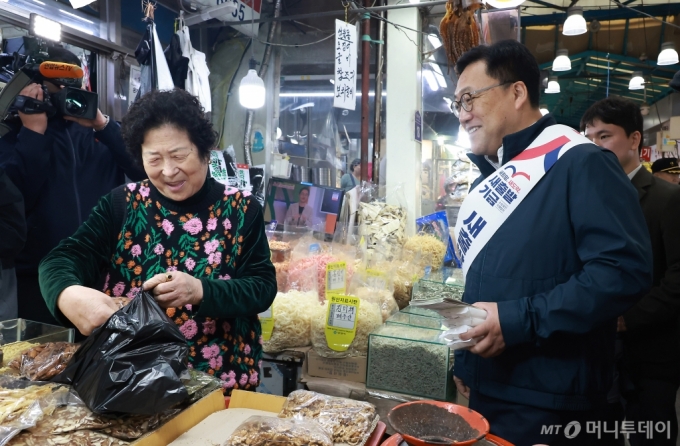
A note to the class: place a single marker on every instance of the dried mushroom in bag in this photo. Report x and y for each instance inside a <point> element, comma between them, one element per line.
<point>349,421</point>
<point>266,431</point>
<point>44,361</point>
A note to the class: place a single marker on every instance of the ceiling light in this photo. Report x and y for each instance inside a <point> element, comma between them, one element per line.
<point>575,23</point>
<point>504,3</point>
<point>553,85</point>
<point>434,41</point>
<point>414,1</point>
<point>544,110</point>
<point>440,139</point>
<point>637,82</point>
<point>431,81</point>
<point>463,139</point>
<point>562,61</point>
<point>332,81</point>
<point>42,27</point>
<point>251,92</point>
<point>668,55</point>
<point>441,80</point>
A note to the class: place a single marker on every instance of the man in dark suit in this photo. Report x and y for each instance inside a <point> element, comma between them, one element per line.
<point>650,365</point>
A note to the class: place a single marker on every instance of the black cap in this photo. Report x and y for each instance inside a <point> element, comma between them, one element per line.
<point>668,165</point>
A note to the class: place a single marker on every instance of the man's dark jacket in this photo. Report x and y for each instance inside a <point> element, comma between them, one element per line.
<point>62,175</point>
<point>573,256</point>
<point>12,221</point>
<point>652,339</point>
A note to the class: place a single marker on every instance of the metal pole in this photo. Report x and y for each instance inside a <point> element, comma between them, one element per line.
<point>338,13</point>
<point>365,88</point>
<point>377,125</point>
<point>247,138</point>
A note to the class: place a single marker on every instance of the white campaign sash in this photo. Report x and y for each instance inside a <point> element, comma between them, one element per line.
<point>488,206</point>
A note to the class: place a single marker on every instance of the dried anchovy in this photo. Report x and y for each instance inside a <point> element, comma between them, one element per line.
<point>422,369</point>
<point>425,290</point>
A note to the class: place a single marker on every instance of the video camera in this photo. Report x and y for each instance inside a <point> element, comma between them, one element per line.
<point>69,101</point>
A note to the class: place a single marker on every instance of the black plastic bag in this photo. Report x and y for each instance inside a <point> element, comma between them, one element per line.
<point>132,364</point>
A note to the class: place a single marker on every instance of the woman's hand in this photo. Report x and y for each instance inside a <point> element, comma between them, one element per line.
<point>175,289</point>
<point>86,308</point>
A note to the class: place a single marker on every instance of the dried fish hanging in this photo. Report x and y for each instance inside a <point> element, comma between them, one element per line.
<point>459,29</point>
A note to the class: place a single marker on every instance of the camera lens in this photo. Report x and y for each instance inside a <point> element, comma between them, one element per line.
<point>76,104</point>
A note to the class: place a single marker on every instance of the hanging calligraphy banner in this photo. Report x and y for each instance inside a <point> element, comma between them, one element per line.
<point>345,65</point>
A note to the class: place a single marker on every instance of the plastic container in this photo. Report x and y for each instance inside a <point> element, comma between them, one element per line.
<point>430,423</point>
<point>415,320</point>
<point>20,330</point>
<point>426,289</point>
<point>489,440</point>
<point>410,360</point>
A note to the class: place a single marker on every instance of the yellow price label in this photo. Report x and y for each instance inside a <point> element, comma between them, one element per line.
<point>376,279</point>
<point>341,321</point>
<point>267,323</point>
<point>336,281</point>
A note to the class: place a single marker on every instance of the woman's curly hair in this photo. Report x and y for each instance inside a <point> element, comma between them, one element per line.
<point>174,107</point>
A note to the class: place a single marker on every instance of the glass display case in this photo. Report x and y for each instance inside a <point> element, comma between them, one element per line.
<point>423,367</point>
<point>415,320</point>
<point>23,333</point>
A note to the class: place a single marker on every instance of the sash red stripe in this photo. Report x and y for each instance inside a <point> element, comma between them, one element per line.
<point>542,150</point>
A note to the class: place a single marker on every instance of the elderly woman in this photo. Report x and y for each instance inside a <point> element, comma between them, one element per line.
<point>198,246</point>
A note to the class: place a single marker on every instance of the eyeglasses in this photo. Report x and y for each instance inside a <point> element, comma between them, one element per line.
<point>466,99</point>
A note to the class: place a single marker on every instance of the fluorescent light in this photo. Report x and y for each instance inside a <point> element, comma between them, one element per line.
<point>441,80</point>
<point>448,101</point>
<point>504,3</point>
<point>76,16</point>
<point>575,23</point>
<point>440,139</point>
<point>668,55</point>
<point>320,94</point>
<point>562,61</point>
<point>80,3</point>
<point>332,81</point>
<point>544,110</point>
<point>637,82</point>
<point>553,85</point>
<point>251,92</point>
<point>434,40</point>
<point>414,1</point>
<point>43,27</point>
<point>431,81</point>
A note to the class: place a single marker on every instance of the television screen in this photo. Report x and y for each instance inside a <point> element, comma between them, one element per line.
<point>302,205</point>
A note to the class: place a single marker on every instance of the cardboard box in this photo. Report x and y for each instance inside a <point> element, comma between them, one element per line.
<point>348,369</point>
<point>185,420</point>
<point>229,419</point>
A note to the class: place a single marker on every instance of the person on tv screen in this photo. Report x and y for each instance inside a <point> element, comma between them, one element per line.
<point>300,213</point>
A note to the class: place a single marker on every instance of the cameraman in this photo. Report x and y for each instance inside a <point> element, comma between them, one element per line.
<point>62,166</point>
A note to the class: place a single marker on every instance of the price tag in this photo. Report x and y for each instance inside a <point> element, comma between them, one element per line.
<point>267,323</point>
<point>341,321</point>
<point>243,176</point>
<point>376,279</point>
<point>335,278</point>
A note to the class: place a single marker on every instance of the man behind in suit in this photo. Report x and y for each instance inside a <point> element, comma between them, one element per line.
<point>650,366</point>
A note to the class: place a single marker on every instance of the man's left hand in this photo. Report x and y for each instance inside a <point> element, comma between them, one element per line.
<point>175,289</point>
<point>492,342</point>
<point>97,123</point>
<point>620,324</point>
